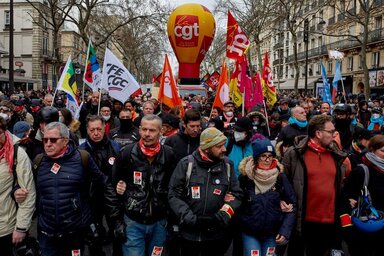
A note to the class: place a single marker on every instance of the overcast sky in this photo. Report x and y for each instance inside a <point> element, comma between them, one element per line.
<point>210,4</point>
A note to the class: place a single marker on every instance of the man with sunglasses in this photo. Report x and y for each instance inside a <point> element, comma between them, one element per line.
<point>314,167</point>
<point>63,181</point>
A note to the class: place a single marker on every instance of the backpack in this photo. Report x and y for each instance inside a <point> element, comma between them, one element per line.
<point>190,167</point>
<point>83,154</point>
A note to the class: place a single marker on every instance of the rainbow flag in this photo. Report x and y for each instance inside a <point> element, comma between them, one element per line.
<point>68,84</point>
<point>92,75</point>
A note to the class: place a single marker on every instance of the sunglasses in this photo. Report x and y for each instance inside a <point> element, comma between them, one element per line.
<point>52,140</point>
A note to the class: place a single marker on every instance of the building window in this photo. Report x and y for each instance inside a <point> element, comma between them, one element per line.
<point>378,22</point>
<point>7,18</point>
<point>330,66</point>
<point>318,69</point>
<point>360,61</point>
<point>350,63</point>
<point>376,59</point>
<point>45,45</point>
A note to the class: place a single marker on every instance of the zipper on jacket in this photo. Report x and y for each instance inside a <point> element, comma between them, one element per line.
<point>206,198</point>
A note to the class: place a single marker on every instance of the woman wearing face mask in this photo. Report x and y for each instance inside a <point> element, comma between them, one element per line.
<point>267,213</point>
<point>239,145</point>
<point>65,117</point>
<point>376,121</point>
<point>258,122</point>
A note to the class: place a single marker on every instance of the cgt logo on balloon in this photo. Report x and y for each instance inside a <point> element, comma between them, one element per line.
<point>187,29</point>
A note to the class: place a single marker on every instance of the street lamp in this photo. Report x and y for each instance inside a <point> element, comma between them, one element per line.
<point>11,74</point>
<point>306,40</point>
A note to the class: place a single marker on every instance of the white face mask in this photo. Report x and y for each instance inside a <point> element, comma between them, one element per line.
<point>106,118</point>
<point>61,119</point>
<point>239,136</point>
<point>375,116</point>
<point>229,113</point>
<point>256,123</point>
<point>5,116</point>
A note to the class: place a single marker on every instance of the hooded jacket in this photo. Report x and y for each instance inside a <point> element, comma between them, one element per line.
<point>211,181</point>
<point>296,171</point>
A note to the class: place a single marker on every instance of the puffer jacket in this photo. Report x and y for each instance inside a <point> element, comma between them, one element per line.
<point>145,198</point>
<point>10,215</point>
<point>182,144</point>
<point>63,198</point>
<point>260,214</point>
<point>295,169</point>
<point>211,181</point>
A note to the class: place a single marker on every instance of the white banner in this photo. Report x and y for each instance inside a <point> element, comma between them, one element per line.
<point>117,80</point>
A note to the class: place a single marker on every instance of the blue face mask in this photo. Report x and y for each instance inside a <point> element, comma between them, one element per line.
<point>301,124</point>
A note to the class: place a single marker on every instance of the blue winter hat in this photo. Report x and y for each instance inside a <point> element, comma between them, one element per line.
<point>20,128</point>
<point>262,145</point>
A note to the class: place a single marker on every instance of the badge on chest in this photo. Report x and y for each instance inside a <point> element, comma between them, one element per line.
<point>55,168</point>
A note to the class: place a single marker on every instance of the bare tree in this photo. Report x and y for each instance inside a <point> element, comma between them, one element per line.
<point>53,13</point>
<point>214,57</point>
<point>253,17</point>
<point>360,13</point>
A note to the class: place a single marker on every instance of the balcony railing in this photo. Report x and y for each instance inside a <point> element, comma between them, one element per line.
<point>331,21</point>
<point>278,62</point>
<point>46,53</point>
<point>278,45</point>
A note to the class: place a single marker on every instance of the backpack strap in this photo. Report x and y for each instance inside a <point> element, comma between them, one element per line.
<point>189,170</point>
<point>366,175</point>
<point>37,161</point>
<point>228,165</point>
<point>84,158</point>
<point>14,173</point>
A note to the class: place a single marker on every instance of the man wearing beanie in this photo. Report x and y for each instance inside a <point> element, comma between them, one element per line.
<point>204,194</point>
<point>314,167</point>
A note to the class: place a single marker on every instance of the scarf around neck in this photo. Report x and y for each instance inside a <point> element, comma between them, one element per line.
<point>375,160</point>
<point>301,124</point>
<point>316,147</point>
<point>204,156</point>
<point>264,179</point>
<point>374,121</point>
<point>149,151</point>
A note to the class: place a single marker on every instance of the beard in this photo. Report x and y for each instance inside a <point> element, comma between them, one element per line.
<point>214,158</point>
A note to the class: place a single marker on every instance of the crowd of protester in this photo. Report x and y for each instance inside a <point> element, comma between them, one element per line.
<point>282,179</point>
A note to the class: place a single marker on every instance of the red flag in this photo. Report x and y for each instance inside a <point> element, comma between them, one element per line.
<point>237,41</point>
<point>213,80</point>
<point>246,86</point>
<point>168,93</point>
<point>258,97</point>
<point>269,90</point>
<point>222,92</point>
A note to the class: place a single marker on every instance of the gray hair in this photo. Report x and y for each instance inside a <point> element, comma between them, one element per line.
<point>152,117</point>
<point>64,131</point>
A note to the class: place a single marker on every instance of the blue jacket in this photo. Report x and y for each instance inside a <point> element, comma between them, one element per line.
<point>238,153</point>
<point>63,198</point>
<point>260,214</point>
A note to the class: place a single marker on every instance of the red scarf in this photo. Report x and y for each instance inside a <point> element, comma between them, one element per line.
<point>316,147</point>
<point>149,151</point>
<point>272,166</point>
<point>7,150</point>
<point>171,133</point>
<point>204,156</point>
<point>61,153</point>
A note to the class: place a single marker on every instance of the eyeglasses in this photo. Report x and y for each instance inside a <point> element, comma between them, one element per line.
<point>265,157</point>
<point>329,131</point>
<point>52,140</point>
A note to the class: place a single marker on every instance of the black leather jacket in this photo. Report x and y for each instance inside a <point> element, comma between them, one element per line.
<point>145,198</point>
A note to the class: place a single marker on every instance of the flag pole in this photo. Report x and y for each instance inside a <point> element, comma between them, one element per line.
<point>242,105</point>
<point>86,60</point>
<point>54,95</point>
<point>98,107</point>
<point>266,117</point>
<point>342,83</point>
